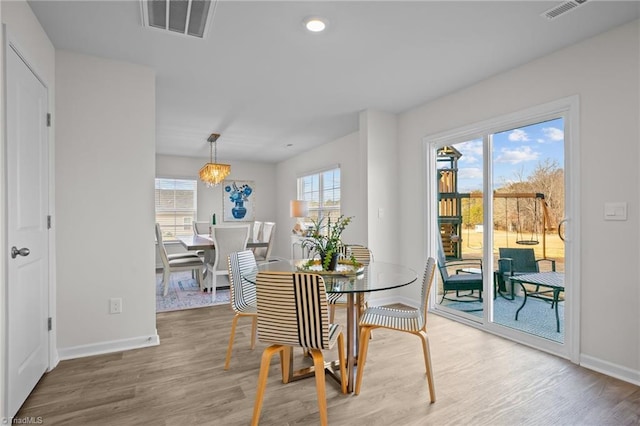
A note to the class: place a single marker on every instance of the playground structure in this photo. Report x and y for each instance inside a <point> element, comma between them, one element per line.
<point>450,209</point>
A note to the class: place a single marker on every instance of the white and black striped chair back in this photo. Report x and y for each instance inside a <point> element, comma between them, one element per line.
<point>292,310</point>
<point>427,283</point>
<point>243,293</point>
<point>360,253</point>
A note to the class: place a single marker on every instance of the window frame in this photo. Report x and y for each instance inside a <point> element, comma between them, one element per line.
<point>322,210</point>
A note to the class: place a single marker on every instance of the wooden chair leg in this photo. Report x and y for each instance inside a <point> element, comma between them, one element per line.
<point>254,325</point>
<point>262,380</point>
<point>362,356</point>
<point>332,313</point>
<point>318,364</point>
<point>427,363</point>
<point>234,322</point>
<point>286,363</point>
<point>344,379</point>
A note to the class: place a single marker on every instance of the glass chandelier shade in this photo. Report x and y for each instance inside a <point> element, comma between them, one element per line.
<point>213,172</point>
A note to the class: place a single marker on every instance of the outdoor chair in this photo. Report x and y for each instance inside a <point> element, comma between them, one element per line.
<point>516,261</point>
<point>467,277</point>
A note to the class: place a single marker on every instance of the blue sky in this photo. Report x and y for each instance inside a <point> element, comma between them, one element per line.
<point>516,152</point>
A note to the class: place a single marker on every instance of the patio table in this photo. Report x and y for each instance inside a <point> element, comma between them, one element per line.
<point>553,282</point>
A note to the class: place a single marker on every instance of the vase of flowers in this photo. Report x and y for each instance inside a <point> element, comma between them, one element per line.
<point>325,240</point>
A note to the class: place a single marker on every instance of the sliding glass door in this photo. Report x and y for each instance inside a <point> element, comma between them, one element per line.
<point>500,200</point>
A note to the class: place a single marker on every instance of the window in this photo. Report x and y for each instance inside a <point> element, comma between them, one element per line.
<point>176,206</point>
<point>322,191</point>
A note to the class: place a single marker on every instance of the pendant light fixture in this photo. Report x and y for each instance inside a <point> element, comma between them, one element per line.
<point>213,172</point>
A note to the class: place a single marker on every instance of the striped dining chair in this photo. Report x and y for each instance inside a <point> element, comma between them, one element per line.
<point>292,311</point>
<point>338,300</point>
<point>243,296</point>
<point>409,321</point>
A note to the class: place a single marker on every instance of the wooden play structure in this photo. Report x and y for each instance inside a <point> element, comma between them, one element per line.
<point>451,217</point>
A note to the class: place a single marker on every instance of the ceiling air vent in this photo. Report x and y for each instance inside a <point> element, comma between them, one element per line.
<point>562,8</point>
<point>181,17</point>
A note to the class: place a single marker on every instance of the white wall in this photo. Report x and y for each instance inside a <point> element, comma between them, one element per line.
<point>25,31</point>
<point>105,170</point>
<point>344,151</point>
<point>378,134</point>
<point>603,72</point>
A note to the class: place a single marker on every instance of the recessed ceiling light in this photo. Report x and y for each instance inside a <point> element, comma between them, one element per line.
<point>315,24</point>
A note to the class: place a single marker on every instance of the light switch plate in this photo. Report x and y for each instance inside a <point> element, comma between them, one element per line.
<point>615,211</point>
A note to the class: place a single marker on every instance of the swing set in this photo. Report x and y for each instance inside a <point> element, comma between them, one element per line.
<point>539,215</point>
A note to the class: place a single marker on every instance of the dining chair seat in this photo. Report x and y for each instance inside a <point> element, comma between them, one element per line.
<point>412,321</point>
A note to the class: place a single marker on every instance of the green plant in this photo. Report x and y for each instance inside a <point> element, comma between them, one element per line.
<point>325,239</point>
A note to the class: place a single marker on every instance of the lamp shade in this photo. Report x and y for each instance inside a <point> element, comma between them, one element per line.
<point>299,208</point>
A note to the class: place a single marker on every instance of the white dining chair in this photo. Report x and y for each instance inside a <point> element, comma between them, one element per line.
<point>200,228</point>
<point>226,240</point>
<point>177,262</point>
<point>256,234</point>
<point>263,254</point>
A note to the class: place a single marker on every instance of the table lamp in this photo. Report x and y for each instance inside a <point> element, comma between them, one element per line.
<point>298,209</point>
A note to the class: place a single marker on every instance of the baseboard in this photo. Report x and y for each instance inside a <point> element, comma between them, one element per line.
<point>102,348</point>
<point>391,300</point>
<point>610,369</point>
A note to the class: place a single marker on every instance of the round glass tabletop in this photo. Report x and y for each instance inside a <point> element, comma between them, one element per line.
<point>376,276</point>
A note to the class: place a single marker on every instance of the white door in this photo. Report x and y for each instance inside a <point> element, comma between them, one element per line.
<point>27,233</point>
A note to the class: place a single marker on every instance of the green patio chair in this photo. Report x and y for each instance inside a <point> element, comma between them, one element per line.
<point>516,261</point>
<point>467,276</point>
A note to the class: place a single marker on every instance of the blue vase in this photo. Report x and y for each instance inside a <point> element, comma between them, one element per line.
<point>239,211</point>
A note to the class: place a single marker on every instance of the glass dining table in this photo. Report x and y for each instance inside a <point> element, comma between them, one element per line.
<point>377,276</point>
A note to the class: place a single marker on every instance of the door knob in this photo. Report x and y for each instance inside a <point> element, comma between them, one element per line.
<point>22,252</point>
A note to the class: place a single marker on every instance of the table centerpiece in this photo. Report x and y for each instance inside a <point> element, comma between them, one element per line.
<point>325,241</point>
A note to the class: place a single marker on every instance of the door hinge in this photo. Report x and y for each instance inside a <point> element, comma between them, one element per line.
<point>49,326</point>
<point>48,119</point>
<point>49,222</point>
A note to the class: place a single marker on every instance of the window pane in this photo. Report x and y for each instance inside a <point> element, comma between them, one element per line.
<point>322,191</point>
<point>175,206</point>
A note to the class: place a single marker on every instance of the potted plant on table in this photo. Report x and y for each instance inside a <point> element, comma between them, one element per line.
<point>325,240</point>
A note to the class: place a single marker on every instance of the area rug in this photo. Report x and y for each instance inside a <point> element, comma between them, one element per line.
<point>535,318</point>
<point>184,293</point>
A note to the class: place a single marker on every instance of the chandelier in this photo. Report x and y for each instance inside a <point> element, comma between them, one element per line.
<point>213,172</point>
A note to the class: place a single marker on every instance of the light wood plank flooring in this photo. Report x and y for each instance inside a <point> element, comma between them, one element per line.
<point>480,379</point>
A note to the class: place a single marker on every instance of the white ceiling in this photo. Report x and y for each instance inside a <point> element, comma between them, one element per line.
<point>264,83</point>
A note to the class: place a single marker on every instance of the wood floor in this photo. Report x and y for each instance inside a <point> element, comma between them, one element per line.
<point>480,379</point>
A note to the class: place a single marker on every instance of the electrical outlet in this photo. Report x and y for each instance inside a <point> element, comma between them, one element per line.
<point>115,305</point>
